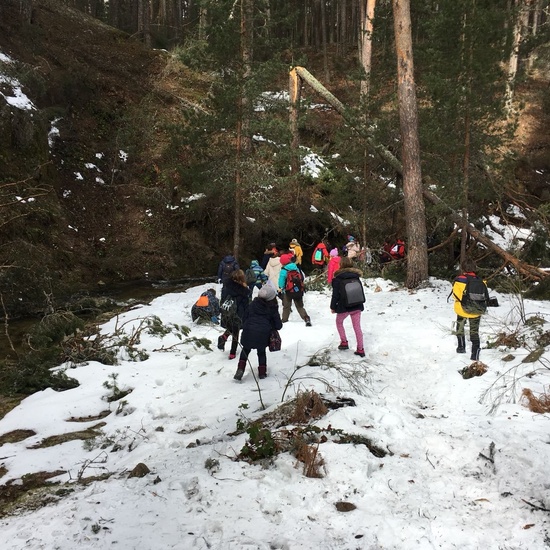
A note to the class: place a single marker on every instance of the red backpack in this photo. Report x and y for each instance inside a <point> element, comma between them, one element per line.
<point>294,284</point>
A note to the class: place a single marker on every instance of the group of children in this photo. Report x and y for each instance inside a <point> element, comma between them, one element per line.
<point>279,275</point>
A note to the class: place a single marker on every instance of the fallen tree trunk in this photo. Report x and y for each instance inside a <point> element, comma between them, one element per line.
<point>530,271</point>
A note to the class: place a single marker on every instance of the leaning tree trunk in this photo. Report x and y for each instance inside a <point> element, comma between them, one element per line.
<point>388,157</point>
<point>415,210</point>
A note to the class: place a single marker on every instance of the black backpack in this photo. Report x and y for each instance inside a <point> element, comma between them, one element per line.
<point>352,292</point>
<point>475,298</point>
<point>229,318</point>
<point>228,268</point>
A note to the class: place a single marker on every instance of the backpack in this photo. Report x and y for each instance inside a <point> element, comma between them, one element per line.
<point>228,268</point>
<point>294,284</point>
<point>251,276</point>
<point>203,301</point>
<point>229,318</point>
<point>352,292</point>
<point>318,256</point>
<point>475,298</point>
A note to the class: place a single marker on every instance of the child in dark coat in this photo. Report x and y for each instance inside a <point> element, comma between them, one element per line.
<point>206,308</point>
<point>261,317</point>
<point>231,320</point>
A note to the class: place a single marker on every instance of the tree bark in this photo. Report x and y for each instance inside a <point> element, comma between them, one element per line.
<point>415,210</point>
<point>521,20</point>
<point>367,27</point>
<point>244,140</point>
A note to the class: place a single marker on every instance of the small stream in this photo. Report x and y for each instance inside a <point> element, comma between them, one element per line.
<point>134,292</point>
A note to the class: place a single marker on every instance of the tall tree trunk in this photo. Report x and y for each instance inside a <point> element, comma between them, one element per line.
<point>521,20</point>
<point>537,14</point>
<point>415,217</point>
<point>324,38</point>
<point>367,27</point>
<point>244,140</point>
<point>25,8</point>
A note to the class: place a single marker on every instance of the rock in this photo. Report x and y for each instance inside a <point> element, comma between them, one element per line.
<point>140,470</point>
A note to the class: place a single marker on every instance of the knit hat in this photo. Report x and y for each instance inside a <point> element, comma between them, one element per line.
<point>267,292</point>
<point>286,258</point>
<point>334,252</point>
<point>351,238</point>
<point>294,241</point>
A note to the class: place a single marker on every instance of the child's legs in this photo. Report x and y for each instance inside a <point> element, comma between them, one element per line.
<point>235,342</point>
<point>460,323</point>
<point>474,330</point>
<point>299,303</point>
<point>356,322</point>
<point>262,357</point>
<point>287,303</point>
<point>244,354</point>
<point>340,317</point>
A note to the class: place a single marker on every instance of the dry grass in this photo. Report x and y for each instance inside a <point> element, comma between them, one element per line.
<point>311,458</point>
<point>308,405</point>
<point>538,404</point>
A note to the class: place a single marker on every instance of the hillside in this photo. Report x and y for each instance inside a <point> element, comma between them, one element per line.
<point>94,89</point>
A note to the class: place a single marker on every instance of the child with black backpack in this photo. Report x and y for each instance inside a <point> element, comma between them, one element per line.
<point>471,299</point>
<point>347,300</point>
<point>233,309</point>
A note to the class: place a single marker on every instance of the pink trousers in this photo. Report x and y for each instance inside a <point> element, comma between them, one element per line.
<point>355,321</point>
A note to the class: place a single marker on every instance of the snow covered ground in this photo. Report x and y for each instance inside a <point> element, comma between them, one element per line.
<point>466,463</point>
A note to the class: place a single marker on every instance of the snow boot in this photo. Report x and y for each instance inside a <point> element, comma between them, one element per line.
<point>240,370</point>
<point>461,344</point>
<point>262,371</point>
<point>308,322</point>
<point>343,345</point>
<point>360,352</point>
<point>221,341</point>
<point>475,352</point>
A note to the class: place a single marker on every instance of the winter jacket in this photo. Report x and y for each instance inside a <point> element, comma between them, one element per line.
<point>260,319</point>
<point>268,254</point>
<point>273,269</point>
<point>397,251</point>
<point>333,266</point>
<point>261,277</point>
<point>459,286</point>
<point>226,267</point>
<point>208,310</point>
<point>284,272</point>
<point>336,302</point>
<point>352,249</point>
<point>298,252</point>
<point>241,295</point>
<point>321,246</point>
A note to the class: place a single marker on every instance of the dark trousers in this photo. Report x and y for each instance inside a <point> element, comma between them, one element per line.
<point>473,325</point>
<point>262,356</point>
<point>287,307</point>
<point>234,340</point>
